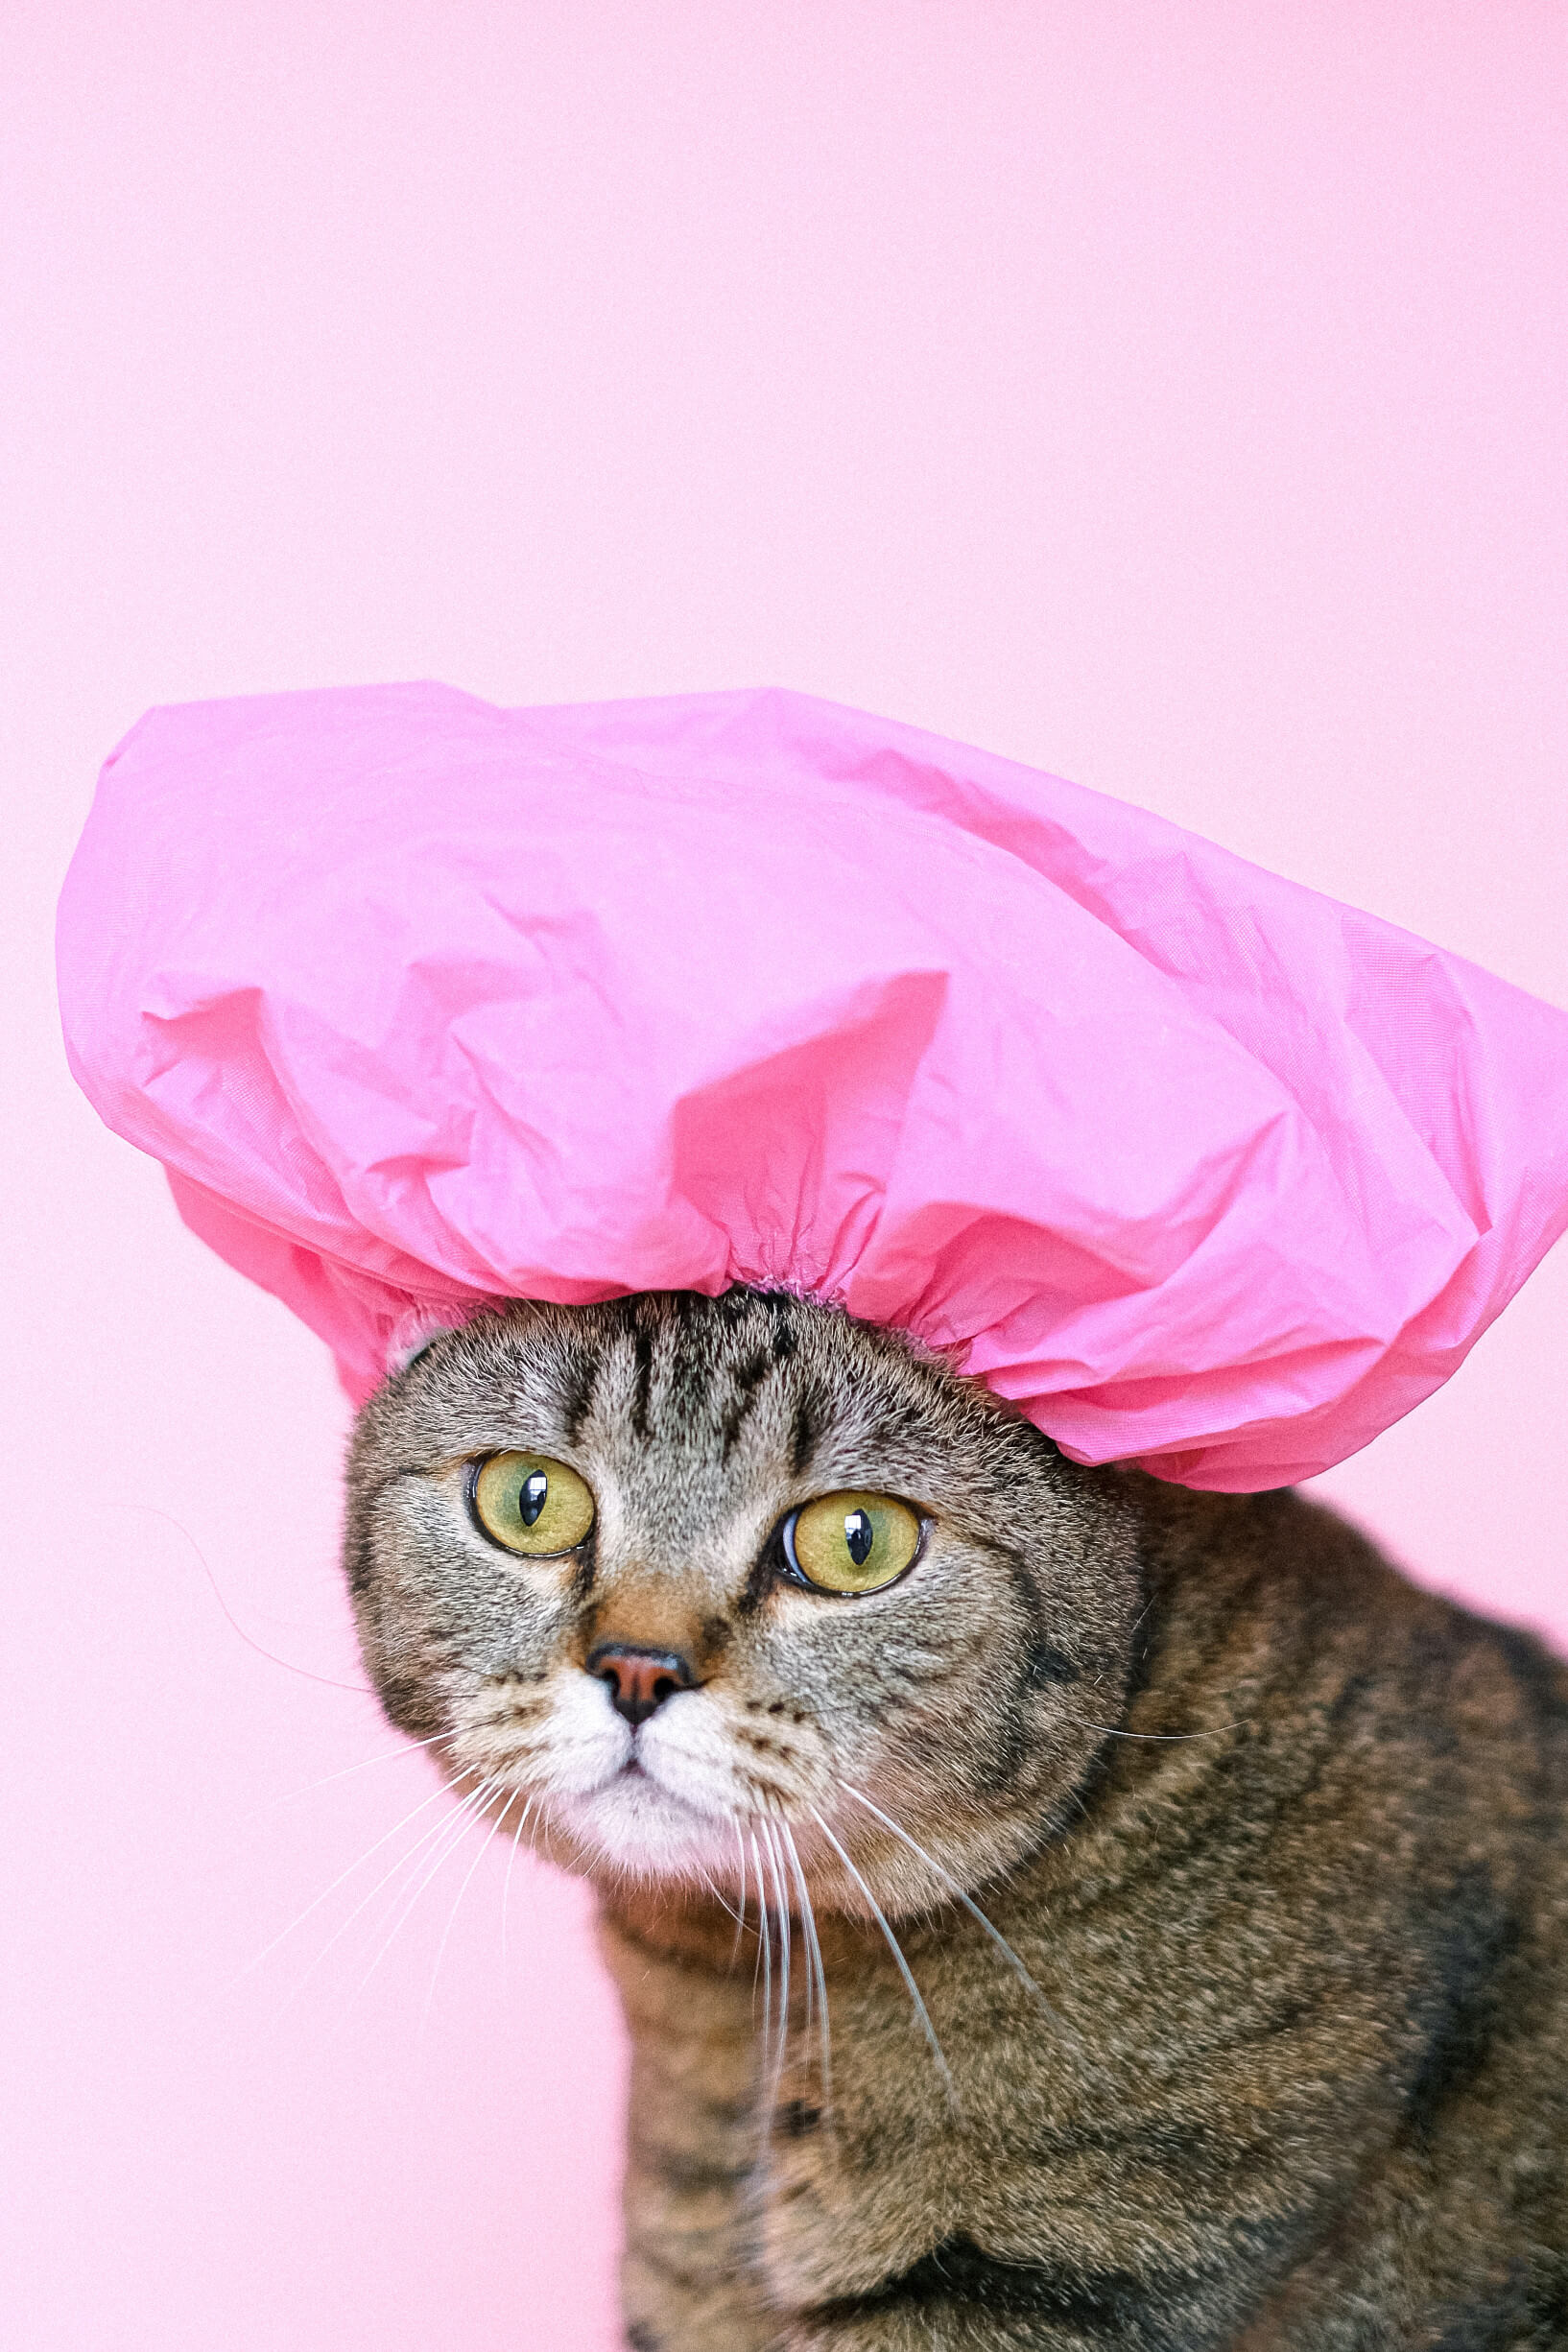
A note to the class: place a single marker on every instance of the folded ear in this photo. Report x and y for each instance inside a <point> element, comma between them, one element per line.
<point>415,1332</point>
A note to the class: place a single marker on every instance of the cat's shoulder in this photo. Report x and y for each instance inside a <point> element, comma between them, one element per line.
<point>1291,1580</point>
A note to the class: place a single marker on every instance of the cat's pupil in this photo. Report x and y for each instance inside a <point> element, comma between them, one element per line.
<point>532,1496</point>
<point>859,1535</point>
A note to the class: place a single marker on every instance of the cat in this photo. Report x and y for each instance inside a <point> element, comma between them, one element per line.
<point>1051,1907</point>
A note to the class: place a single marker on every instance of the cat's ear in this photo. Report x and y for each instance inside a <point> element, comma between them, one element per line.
<point>415,1332</point>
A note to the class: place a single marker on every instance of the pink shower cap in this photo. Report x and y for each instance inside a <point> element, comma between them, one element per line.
<point>424,1004</point>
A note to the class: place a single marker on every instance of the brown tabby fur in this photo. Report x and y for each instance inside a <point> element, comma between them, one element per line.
<point>1276,2055</point>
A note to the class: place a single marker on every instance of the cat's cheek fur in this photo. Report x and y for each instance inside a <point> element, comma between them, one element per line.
<point>564,1738</point>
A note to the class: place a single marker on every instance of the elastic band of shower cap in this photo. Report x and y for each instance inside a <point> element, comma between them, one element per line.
<point>425,1005</point>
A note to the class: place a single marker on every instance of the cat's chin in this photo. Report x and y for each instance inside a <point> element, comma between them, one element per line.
<point>640,1829</point>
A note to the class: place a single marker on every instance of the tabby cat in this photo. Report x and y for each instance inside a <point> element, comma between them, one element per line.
<point>1052,1909</point>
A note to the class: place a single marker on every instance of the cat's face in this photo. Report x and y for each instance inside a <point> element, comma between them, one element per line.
<point>663,1572</point>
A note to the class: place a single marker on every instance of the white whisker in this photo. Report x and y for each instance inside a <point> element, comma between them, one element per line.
<point>402,1863</point>
<point>776,1872</point>
<point>765,1950</point>
<point>358,1864</point>
<point>385,1755</point>
<point>505,1886</point>
<point>969,1904</point>
<point>1160,1738</point>
<point>896,1949</point>
<point>720,1897</point>
<point>458,1826</point>
<point>740,1915</point>
<point>779,1830</point>
<point>452,1916</point>
<point>814,1961</point>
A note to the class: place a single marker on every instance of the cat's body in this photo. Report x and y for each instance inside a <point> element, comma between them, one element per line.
<point>1266,2044</point>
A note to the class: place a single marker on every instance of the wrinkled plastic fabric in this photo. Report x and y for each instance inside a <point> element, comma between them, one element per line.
<point>425,1002</point>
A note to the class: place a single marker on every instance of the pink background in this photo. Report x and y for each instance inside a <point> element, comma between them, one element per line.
<point>1171,396</point>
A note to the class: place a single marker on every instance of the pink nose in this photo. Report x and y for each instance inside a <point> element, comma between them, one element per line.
<point>639,1680</point>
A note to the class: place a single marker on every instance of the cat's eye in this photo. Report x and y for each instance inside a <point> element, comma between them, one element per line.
<point>852,1543</point>
<point>526,1502</point>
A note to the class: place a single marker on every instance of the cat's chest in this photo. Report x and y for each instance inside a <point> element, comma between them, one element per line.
<point>908,2162</point>
<point>1033,2169</point>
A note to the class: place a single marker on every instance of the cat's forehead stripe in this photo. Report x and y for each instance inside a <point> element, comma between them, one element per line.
<point>692,1372</point>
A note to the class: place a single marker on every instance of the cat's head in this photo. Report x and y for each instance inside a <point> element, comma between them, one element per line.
<point>663,1572</point>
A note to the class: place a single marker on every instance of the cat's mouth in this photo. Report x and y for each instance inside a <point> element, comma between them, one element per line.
<point>642,1777</point>
<point>641,1825</point>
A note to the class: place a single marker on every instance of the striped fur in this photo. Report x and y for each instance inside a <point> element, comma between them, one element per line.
<point>1231,1873</point>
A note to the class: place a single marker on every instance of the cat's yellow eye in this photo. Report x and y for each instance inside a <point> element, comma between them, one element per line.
<point>852,1543</point>
<point>529,1504</point>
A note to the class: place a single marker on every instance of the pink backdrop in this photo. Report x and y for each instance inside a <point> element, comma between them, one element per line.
<point>1167,395</point>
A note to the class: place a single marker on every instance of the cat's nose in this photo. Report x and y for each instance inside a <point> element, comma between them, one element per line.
<point>639,1680</point>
